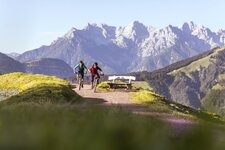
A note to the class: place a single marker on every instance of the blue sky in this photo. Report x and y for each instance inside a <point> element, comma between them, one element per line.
<point>28,24</point>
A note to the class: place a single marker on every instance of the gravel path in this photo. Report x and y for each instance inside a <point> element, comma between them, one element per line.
<point>109,97</point>
<point>122,100</point>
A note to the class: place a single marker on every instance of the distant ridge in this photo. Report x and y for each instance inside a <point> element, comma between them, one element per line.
<point>8,65</point>
<point>198,82</point>
<point>47,66</point>
<point>135,47</point>
<point>13,55</point>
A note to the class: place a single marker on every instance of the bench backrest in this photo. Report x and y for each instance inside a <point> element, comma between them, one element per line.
<point>130,78</point>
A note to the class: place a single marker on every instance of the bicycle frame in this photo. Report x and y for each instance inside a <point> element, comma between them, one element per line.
<point>95,84</point>
<point>80,81</point>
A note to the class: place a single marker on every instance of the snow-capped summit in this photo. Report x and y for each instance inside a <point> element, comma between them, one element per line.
<point>70,33</point>
<point>203,33</point>
<point>136,31</point>
<point>221,31</point>
<point>135,47</point>
<point>101,34</point>
<point>190,27</point>
<point>197,30</point>
<point>221,34</point>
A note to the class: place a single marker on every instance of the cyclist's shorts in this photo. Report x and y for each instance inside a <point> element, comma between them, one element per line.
<point>81,74</point>
<point>93,77</point>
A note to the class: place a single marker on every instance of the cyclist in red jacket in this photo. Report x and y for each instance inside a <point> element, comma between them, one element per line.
<point>94,72</point>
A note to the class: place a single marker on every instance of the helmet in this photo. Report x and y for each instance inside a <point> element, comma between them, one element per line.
<point>96,63</point>
<point>81,62</point>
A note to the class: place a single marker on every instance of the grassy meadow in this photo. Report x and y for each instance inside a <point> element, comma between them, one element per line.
<point>44,113</point>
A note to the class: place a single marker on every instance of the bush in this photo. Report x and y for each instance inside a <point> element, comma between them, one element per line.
<point>145,96</point>
<point>103,85</point>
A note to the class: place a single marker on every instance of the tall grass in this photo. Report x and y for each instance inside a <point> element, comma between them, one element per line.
<point>70,127</point>
<point>42,116</point>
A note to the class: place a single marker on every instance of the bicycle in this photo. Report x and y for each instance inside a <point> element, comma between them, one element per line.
<point>80,81</point>
<point>96,82</point>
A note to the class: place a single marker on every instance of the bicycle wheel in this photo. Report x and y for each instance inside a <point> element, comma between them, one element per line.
<point>80,83</point>
<point>95,84</point>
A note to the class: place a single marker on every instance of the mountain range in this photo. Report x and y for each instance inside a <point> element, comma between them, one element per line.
<point>198,82</point>
<point>132,48</point>
<point>183,68</point>
<point>13,55</point>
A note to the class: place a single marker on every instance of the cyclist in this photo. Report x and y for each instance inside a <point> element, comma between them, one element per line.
<point>79,70</point>
<point>94,73</point>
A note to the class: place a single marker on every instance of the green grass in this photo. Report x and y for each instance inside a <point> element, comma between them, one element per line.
<point>141,85</point>
<point>157,103</point>
<point>221,77</point>
<point>198,64</point>
<point>104,87</point>
<point>214,100</point>
<point>145,96</point>
<point>137,85</point>
<point>71,127</point>
<point>51,127</point>
<point>37,88</point>
<point>42,116</point>
<point>218,87</point>
<point>24,81</point>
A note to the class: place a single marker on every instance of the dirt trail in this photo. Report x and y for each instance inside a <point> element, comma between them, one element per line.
<point>110,98</point>
<point>122,100</point>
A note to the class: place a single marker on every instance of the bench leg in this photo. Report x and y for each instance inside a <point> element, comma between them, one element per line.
<point>111,86</point>
<point>129,86</point>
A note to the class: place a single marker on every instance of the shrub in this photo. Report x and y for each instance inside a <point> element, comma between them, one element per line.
<point>103,85</point>
<point>145,96</point>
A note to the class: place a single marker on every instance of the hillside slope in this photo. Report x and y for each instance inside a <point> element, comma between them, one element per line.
<point>145,102</point>
<point>49,66</point>
<point>43,119</point>
<point>8,65</point>
<point>46,66</point>
<point>13,55</point>
<point>25,88</point>
<point>197,82</point>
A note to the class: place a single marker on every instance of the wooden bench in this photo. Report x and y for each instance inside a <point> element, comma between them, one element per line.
<point>113,84</point>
